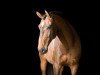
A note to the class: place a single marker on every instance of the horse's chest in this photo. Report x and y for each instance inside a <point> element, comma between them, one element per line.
<point>55,52</point>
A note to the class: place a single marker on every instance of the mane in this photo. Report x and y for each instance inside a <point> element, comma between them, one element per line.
<point>60,14</point>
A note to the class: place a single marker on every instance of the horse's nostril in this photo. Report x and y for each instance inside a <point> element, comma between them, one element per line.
<point>44,50</point>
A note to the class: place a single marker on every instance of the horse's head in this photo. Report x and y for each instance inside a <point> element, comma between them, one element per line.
<point>47,31</point>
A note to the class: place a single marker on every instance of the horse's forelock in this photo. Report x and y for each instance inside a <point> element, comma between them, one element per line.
<point>44,16</point>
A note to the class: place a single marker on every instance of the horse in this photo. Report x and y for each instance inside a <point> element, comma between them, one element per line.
<point>58,43</point>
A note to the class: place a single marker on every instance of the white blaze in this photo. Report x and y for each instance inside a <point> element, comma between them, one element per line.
<point>42,23</point>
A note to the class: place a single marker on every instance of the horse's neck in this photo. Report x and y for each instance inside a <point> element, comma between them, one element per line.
<point>65,34</point>
<point>63,40</point>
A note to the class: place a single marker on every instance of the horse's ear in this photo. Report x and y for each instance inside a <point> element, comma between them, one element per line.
<point>47,14</point>
<point>39,15</point>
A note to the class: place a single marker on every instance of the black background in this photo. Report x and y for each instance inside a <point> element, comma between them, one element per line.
<point>84,18</point>
<point>20,34</point>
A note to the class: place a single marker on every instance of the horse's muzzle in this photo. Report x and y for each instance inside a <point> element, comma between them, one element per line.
<point>43,50</point>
